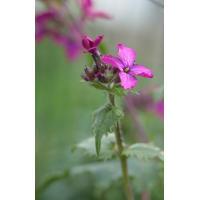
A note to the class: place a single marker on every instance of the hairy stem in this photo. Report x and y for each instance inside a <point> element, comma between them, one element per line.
<point>127,186</point>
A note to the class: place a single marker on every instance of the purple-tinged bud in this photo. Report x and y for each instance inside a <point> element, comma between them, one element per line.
<point>95,68</point>
<point>115,70</point>
<point>104,79</point>
<point>97,58</point>
<point>94,58</point>
<point>117,79</point>
<point>87,43</point>
<point>110,68</point>
<point>102,67</point>
<point>106,66</point>
<point>89,73</point>
<point>99,76</point>
<point>85,77</point>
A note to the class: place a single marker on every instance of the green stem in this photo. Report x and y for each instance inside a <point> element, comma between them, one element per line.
<point>127,186</point>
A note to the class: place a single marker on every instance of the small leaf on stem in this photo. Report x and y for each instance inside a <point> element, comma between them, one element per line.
<point>104,119</point>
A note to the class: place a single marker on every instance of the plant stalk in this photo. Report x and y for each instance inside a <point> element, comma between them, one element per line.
<point>127,186</point>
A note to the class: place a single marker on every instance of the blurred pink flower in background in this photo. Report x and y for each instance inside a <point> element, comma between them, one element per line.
<point>89,12</point>
<point>41,21</point>
<point>65,28</point>
<point>158,109</point>
<point>146,102</point>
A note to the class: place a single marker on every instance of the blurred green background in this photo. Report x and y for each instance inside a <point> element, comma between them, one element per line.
<point>63,107</point>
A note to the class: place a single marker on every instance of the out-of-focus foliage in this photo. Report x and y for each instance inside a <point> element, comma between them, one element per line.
<point>143,151</point>
<point>108,147</point>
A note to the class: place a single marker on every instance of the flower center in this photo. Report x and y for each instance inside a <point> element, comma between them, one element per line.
<point>126,70</point>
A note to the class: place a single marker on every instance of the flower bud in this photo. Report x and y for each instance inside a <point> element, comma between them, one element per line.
<point>102,67</point>
<point>96,56</point>
<point>99,76</point>
<point>106,66</point>
<point>89,73</point>
<point>86,43</point>
<point>104,79</point>
<point>110,68</point>
<point>117,79</point>
<point>95,68</point>
<point>115,70</point>
<point>84,77</point>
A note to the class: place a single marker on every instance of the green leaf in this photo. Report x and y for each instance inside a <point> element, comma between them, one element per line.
<point>108,144</point>
<point>51,178</point>
<point>120,92</point>
<point>82,81</point>
<point>104,118</point>
<point>134,91</point>
<point>144,174</point>
<point>97,86</point>
<point>144,151</point>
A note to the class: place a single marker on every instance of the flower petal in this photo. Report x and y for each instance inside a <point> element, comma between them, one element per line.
<point>40,34</point>
<point>141,71</point>
<point>126,54</point>
<point>128,81</point>
<point>97,41</point>
<point>91,50</point>
<point>87,42</point>
<point>114,61</point>
<point>72,49</point>
<point>93,15</point>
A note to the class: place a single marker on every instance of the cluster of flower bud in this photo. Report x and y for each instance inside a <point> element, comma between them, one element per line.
<point>101,71</point>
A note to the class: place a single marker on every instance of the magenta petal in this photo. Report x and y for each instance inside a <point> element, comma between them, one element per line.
<point>40,34</point>
<point>141,71</point>
<point>87,42</point>
<point>126,54</point>
<point>43,17</point>
<point>128,81</point>
<point>97,40</point>
<point>86,4</point>
<point>72,49</point>
<point>101,15</point>
<point>112,60</point>
<point>91,50</point>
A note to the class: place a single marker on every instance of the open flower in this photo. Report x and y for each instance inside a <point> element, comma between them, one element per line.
<point>127,67</point>
<point>91,45</point>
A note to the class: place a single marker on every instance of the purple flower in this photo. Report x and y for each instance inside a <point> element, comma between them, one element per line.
<point>127,67</point>
<point>91,45</point>
<point>89,12</point>
<point>71,47</point>
<point>41,24</point>
<point>159,109</point>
